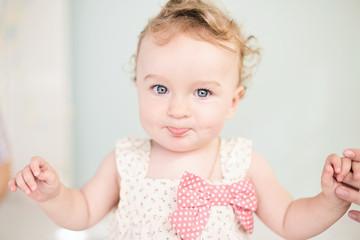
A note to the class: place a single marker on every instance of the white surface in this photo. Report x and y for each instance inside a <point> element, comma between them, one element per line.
<point>35,82</point>
<point>22,219</point>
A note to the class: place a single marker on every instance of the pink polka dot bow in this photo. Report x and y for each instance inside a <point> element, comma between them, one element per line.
<point>195,197</point>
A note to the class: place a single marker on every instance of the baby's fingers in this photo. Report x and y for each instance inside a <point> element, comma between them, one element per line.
<point>22,178</point>
<point>38,165</point>
<point>327,180</point>
<point>335,162</point>
<point>43,171</point>
<point>345,169</point>
<point>12,185</point>
<point>29,178</point>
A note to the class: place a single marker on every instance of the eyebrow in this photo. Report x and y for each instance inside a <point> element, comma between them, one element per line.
<point>159,77</point>
<point>208,82</point>
<point>200,82</point>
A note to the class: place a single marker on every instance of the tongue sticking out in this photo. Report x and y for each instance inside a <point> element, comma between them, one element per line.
<point>178,131</point>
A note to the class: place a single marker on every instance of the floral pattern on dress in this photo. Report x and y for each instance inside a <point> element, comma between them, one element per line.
<point>146,204</point>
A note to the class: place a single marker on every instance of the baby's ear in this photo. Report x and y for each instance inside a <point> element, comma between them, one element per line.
<point>237,96</point>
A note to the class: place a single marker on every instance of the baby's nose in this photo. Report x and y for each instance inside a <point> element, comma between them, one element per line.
<point>179,107</point>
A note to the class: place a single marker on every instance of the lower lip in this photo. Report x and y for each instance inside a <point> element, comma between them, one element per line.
<point>178,131</point>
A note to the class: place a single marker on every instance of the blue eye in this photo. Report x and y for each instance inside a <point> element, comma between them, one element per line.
<point>160,89</point>
<point>202,93</point>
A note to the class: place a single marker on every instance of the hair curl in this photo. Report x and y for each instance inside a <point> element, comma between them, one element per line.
<point>203,21</point>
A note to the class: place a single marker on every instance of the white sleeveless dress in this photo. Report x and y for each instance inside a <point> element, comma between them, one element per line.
<point>146,204</point>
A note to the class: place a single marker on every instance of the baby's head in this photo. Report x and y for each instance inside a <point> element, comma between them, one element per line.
<point>190,74</point>
<point>205,22</point>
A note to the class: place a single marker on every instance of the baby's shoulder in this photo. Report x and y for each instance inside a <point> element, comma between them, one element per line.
<point>236,144</point>
<point>235,157</point>
<point>258,164</point>
<point>132,156</point>
<point>131,142</point>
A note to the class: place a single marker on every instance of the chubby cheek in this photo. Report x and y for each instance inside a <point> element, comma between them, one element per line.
<point>150,113</point>
<point>213,118</point>
<point>143,110</point>
<point>147,114</point>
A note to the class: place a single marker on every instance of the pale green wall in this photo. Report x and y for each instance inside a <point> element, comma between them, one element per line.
<point>303,103</point>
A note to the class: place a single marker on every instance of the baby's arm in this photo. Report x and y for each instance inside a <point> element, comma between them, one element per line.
<point>69,208</point>
<point>296,219</point>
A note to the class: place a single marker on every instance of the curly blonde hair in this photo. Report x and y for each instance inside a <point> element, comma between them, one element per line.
<point>206,22</point>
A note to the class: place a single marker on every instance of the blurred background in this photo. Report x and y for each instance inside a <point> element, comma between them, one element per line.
<point>66,93</point>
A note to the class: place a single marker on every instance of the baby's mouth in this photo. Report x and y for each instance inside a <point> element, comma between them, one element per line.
<point>178,131</point>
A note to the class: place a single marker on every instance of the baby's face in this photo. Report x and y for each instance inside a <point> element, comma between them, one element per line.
<point>187,89</point>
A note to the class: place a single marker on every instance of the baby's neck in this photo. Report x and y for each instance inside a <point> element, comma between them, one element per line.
<point>169,164</point>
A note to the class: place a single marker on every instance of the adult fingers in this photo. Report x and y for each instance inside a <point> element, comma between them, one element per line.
<point>355,215</point>
<point>351,181</point>
<point>355,166</point>
<point>352,153</point>
<point>348,194</point>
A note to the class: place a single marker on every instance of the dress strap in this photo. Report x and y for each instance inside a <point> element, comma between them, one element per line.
<point>235,158</point>
<point>132,157</point>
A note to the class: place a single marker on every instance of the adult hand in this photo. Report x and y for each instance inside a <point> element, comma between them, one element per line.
<point>352,193</point>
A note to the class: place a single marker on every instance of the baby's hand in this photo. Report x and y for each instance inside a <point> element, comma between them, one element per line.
<point>334,172</point>
<point>38,180</point>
